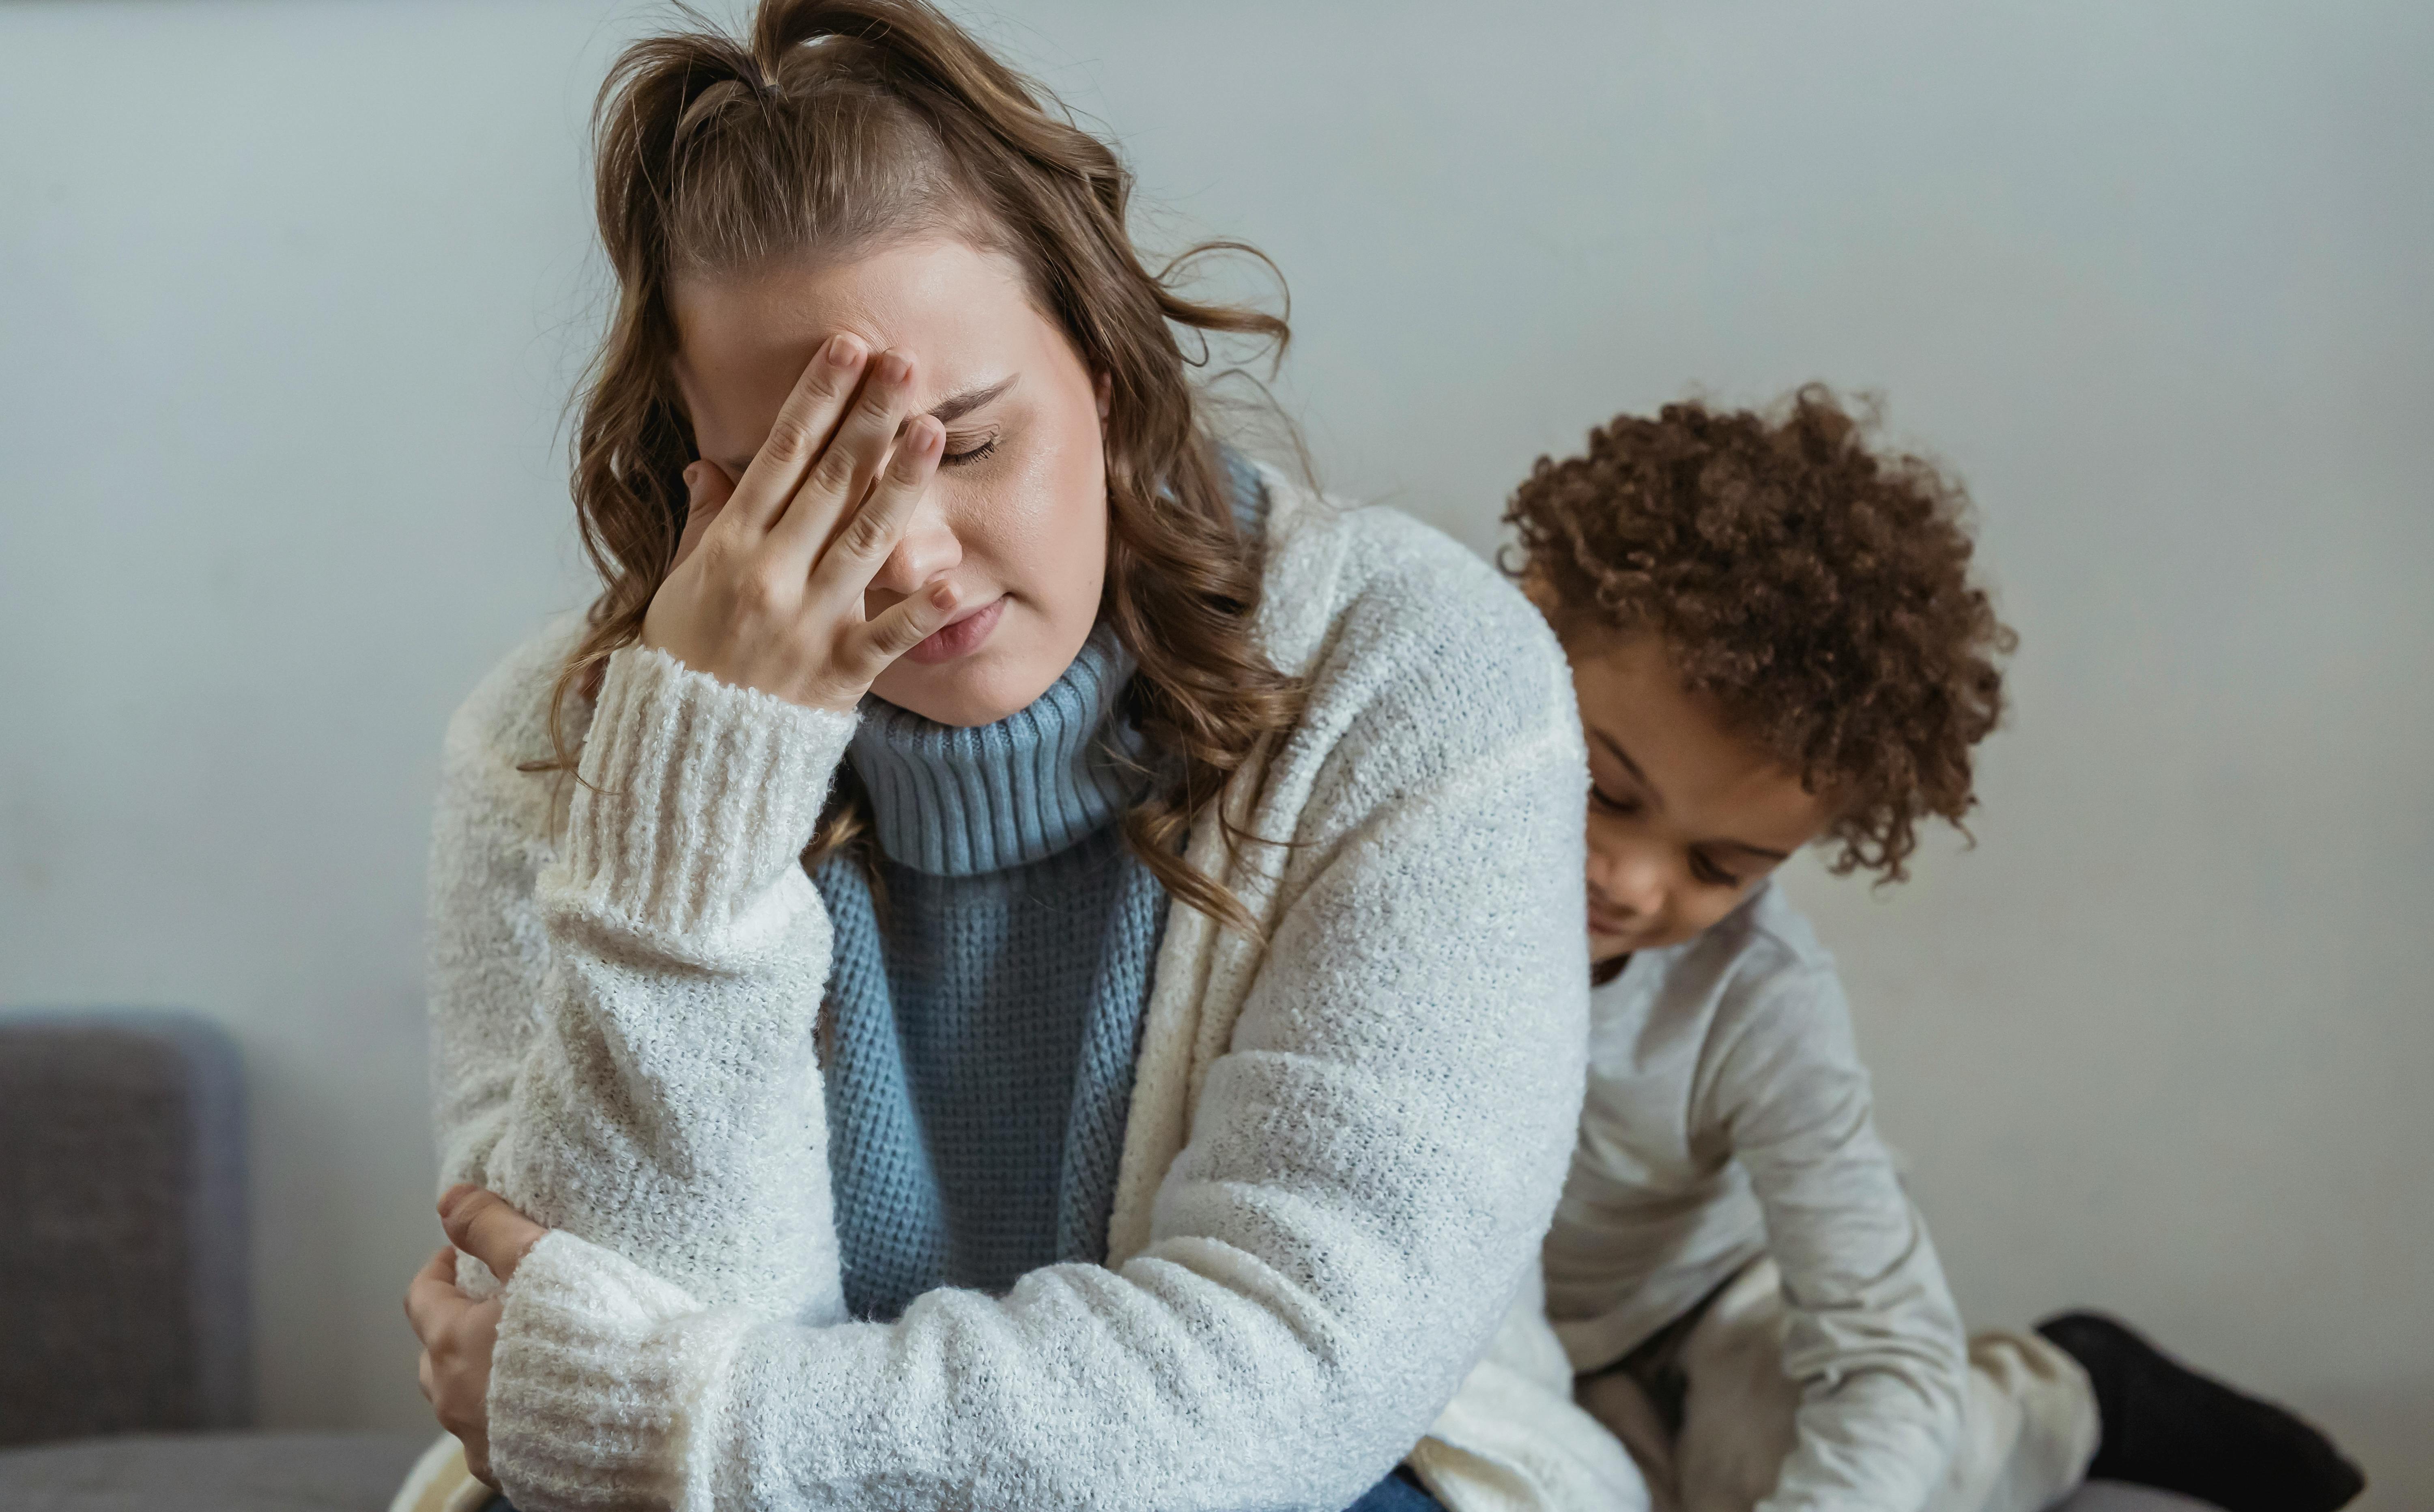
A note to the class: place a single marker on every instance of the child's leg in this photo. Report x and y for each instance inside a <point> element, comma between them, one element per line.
<point>2172,1427</point>
<point>1737,1417</point>
<point>1615,1399</point>
<point>2029,1421</point>
<point>2027,1428</point>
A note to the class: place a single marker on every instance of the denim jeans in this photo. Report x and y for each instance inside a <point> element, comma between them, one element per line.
<point>1397,1492</point>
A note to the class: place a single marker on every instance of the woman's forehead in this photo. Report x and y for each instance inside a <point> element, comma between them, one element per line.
<point>745,338</point>
<point>937,298</point>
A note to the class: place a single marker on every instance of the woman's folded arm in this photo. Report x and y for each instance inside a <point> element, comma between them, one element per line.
<point>1368,1169</point>
<point>624,1002</point>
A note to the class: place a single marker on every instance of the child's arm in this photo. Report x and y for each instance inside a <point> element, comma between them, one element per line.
<point>1873,1339</point>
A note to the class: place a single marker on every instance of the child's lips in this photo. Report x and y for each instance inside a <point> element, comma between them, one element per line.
<point>1608,923</point>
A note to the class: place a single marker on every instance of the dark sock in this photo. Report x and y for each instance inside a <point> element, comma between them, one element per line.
<point>2169,1427</point>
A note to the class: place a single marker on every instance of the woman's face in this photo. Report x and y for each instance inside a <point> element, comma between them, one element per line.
<point>1018,515</point>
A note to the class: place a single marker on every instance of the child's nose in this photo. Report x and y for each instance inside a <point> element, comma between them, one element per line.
<point>1629,879</point>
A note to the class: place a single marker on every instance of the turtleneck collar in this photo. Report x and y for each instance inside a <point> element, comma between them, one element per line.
<point>961,801</point>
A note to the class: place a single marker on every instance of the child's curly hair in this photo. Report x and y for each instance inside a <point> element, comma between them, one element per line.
<point>1817,590</point>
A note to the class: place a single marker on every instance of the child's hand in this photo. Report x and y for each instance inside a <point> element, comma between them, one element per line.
<point>767,589</point>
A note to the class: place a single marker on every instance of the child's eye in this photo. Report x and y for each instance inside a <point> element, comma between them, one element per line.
<point>1713,875</point>
<point>970,454</point>
<point>1624,806</point>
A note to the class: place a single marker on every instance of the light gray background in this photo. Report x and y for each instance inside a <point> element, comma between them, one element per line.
<point>291,296</point>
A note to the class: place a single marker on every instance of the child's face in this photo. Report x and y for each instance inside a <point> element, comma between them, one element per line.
<point>1685,817</point>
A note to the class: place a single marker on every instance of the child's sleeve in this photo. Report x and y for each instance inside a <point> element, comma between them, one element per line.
<point>1873,1339</point>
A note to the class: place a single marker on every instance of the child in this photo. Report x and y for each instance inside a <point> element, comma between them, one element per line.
<point>1775,638</point>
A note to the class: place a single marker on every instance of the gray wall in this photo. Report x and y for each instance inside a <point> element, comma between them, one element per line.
<point>291,296</point>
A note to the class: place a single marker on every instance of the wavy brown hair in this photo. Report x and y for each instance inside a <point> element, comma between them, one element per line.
<point>1816,587</point>
<point>841,127</point>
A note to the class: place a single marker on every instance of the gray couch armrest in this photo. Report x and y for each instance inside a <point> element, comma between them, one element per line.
<point>123,1266</point>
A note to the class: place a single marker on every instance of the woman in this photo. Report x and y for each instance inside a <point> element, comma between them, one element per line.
<point>1026,999</point>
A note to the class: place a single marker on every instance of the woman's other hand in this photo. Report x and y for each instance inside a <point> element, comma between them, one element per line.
<point>767,590</point>
<point>458,1332</point>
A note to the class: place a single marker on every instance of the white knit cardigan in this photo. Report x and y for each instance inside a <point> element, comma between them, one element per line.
<point>1343,1144</point>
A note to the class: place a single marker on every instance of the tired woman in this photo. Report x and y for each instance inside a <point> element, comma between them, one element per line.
<point>1014,958</point>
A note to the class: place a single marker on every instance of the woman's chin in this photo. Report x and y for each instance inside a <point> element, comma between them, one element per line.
<point>979,689</point>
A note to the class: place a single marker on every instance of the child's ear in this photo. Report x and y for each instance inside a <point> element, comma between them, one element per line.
<point>1540,592</point>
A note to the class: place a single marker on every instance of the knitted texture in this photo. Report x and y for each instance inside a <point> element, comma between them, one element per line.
<point>984,1027</point>
<point>680,864</point>
<point>1344,1138</point>
<point>959,801</point>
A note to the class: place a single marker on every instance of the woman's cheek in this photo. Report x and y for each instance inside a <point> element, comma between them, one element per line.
<point>1053,537</point>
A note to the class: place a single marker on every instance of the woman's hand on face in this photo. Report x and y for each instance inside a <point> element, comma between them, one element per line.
<point>767,589</point>
<point>457,1333</point>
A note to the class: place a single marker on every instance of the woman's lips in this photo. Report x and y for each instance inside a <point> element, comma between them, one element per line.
<point>960,636</point>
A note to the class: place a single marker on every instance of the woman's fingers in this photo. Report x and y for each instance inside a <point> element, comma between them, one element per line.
<point>708,489</point>
<point>805,426</point>
<point>772,591</point>
<point>845,471</point>
<point>432,1298</point>
<point>484,1227</point>
<point>904,625</point>
<point>862,542</point>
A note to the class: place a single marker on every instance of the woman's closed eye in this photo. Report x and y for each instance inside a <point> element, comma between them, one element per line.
<point>963,451</point>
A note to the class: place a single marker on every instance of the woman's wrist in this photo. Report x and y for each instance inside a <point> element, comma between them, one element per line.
<point>692,797</point>
<point>601,1375</point>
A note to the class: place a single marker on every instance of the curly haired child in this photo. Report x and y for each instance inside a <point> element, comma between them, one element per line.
<point>1776,640</point>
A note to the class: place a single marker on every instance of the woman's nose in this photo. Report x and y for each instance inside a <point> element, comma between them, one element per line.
<point>927,551</point>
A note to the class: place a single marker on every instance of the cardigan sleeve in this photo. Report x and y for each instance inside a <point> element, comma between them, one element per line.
<point>1368,1172</point>
<point>623,1006</point>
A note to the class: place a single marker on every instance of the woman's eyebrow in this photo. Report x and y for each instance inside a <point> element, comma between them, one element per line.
<point>955,407</point>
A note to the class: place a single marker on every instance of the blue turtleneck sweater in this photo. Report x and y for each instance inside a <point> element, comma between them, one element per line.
<point>986,1005</point>
<point>985,1020</point>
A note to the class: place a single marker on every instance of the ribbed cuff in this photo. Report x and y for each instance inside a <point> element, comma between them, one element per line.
<point>695,795</point>
<point>603,1379</point>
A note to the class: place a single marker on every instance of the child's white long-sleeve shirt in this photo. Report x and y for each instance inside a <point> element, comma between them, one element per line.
<point>1729,1117</point>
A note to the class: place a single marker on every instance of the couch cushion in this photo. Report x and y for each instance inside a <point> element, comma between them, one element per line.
<point>123,1262</point>
<point>342,1472</point>
<point>209,1472</point>
<point>2112,1496</point>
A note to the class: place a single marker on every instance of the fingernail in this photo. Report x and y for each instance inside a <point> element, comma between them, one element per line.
<point>895,367</point>
<point>844,351</point>
<point>693,477</point>
<point>926,437</point>
<point>943,595</point>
